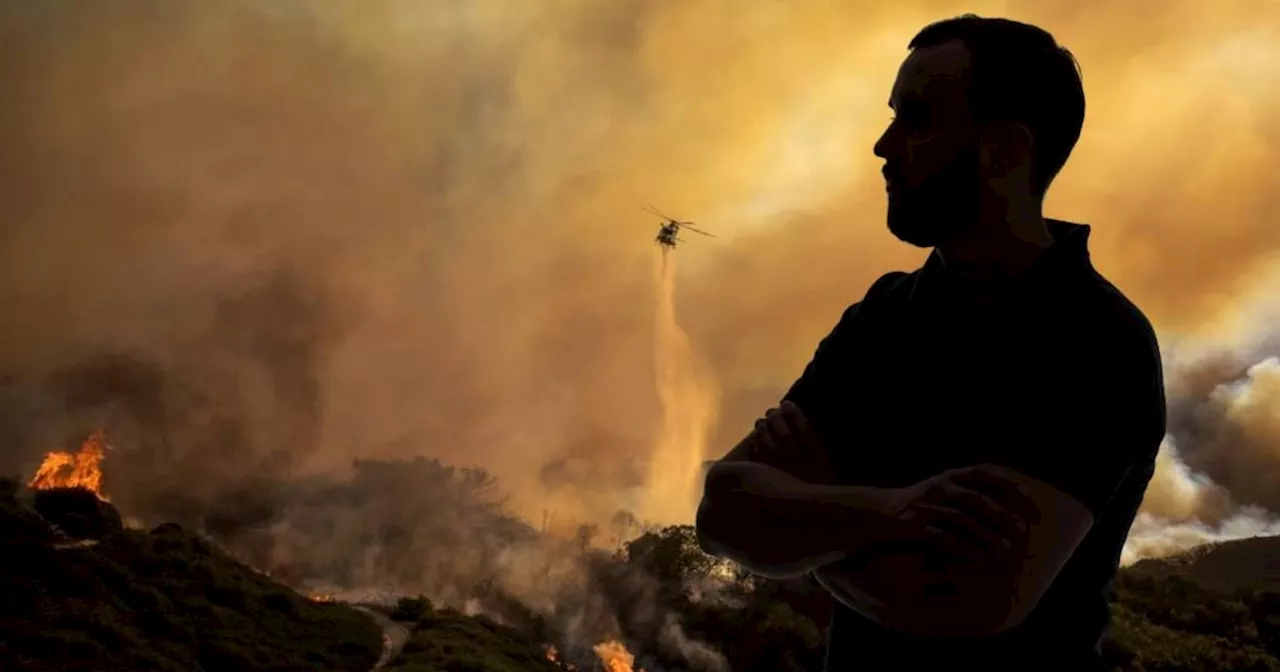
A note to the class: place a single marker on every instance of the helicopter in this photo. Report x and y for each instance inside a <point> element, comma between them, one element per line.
<point>670,228</point>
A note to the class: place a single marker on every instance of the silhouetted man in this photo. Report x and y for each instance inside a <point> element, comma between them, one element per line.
<point>960,462</point>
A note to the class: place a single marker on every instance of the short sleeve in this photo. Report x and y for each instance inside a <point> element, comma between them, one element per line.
<point>1095,415</point>
<point>812,390</point>
<point>804,390</point>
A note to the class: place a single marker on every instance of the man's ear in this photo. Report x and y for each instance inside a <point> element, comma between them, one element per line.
<point>1007,147</point>
<point>1021,142</point>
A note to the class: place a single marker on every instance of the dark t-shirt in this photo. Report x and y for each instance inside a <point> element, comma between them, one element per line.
<point>1056,375</point>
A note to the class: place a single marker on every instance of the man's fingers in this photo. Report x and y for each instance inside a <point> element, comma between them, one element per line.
<point>922,523</point>
<point>794,415</point>
<point>955,545</point>
<point>762,444</point>
<point>799,426</point>
<point>984,508</point>
<point>998,485</point>
<point>763,433</point>
<point>960,523</point>
<point>988,478</point>
<point>777,424</point>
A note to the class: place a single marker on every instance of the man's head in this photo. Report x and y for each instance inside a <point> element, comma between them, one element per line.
<point>986,112</point>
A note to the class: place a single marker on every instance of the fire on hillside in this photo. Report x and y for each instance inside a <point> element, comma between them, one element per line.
<point>82,469</point>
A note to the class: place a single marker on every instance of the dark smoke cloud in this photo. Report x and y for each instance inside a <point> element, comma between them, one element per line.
<point>1216,475</point>
<point>1224,417</point>
<point>195,425</point>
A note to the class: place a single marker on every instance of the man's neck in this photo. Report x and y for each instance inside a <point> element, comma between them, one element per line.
<point>1006,247</point>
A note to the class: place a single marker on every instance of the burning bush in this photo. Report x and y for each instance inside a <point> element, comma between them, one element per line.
<point>81,469</point>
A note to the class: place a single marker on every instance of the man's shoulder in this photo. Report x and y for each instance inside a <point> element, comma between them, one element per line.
<point>1113,313</point>
<point>1113,326</point>
<point>892,281</point>
<point>889,289</point>
<point>887,292</point>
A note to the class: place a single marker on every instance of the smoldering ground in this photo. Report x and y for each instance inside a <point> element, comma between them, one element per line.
<point>453,191</point>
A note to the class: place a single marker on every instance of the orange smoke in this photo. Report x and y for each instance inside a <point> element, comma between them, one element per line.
<point>79,470</point>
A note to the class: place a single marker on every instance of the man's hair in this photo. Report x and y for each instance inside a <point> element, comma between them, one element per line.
<point>1020,73</point>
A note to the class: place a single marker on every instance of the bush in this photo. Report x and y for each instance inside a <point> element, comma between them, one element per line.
<point>78,512</point>
<point>448,640</point>
<point>411,609</point>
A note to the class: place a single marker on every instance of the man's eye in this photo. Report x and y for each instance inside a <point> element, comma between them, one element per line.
<point>912,115</point>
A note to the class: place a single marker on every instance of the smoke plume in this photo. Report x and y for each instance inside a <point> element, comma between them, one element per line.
<point>689,401</point>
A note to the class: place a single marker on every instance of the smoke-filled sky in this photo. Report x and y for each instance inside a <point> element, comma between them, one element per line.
<point>400,228</point>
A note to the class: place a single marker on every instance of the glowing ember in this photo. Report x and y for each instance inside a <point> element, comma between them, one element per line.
<point>320,597</point>
<point>615,657</point>
<point>79,470</point>
<point>554,656</point>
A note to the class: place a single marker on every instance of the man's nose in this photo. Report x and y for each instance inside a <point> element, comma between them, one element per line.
<point>881,148</point>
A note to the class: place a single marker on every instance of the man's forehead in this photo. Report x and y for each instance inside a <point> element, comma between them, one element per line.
<point>933,73</point>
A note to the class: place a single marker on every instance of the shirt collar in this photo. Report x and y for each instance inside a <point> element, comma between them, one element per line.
<point>1068,252</point>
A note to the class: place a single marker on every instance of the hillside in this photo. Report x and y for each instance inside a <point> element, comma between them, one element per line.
<point>1214,608</point>
<point>88,594</point>
<point>163,600</point>
<point>1243,564</point>
<point>444,639</point>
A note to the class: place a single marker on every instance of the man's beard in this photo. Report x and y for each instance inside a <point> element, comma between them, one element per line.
<point>943,209</point>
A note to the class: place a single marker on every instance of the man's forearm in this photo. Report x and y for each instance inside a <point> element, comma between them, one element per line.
<point>916,589</point>
<point>776,525</point>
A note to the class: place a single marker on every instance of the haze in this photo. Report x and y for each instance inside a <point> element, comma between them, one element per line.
<point>391,229</point>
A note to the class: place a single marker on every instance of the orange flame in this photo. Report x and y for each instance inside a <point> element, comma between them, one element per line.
<point>554,656</point>
<point>321,597</point>
<point>74,470</point>
<point>615,657</point>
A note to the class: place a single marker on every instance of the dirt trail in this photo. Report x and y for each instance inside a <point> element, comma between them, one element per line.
<point>394,635</point>
<point>82,543</point>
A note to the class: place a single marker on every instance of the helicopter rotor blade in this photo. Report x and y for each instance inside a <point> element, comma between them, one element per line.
<point>661,214</point>
<point>654,211</point>
<point>686,226</point>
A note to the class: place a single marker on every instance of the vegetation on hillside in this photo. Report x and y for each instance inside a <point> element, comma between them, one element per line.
<point>163,600</point>
<point>1162,621</point>
<point>169,600</point>
<point>444,640</point>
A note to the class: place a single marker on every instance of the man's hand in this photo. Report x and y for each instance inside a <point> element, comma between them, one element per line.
<point>997,539</point>
<point>977,515</point>
<point>785,440</point>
